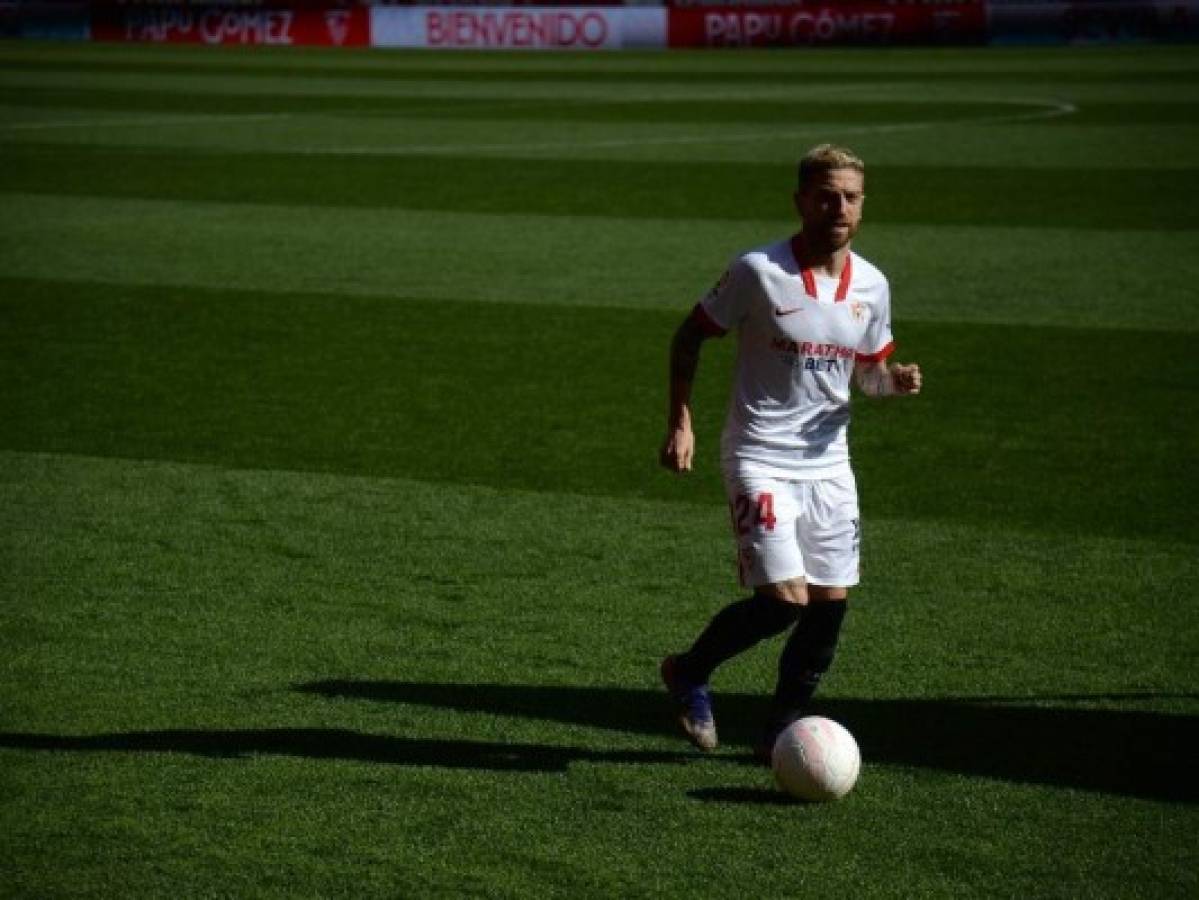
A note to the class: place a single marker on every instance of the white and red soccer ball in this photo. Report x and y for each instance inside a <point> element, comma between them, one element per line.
<point>816,759</point>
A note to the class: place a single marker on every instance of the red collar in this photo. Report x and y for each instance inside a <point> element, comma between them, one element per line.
<point>809,280</point>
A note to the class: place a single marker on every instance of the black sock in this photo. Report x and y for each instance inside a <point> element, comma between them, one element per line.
<point>733,630</point>
<point>807,656</point>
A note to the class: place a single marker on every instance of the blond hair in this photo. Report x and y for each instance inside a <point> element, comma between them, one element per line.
<point>826,157</point>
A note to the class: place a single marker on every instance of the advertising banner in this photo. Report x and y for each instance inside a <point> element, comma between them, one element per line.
<point>518,28</point>
<point>190,24</point>
<point>1093,21</point>
<point>607,25</point>
<point>827,23</point>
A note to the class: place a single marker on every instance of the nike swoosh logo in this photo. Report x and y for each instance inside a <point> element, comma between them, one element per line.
<point>787,312</point>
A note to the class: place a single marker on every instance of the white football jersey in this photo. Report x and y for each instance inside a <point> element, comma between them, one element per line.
<point>799,334</point>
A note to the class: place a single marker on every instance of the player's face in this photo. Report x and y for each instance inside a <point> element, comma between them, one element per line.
<point>830,206</point>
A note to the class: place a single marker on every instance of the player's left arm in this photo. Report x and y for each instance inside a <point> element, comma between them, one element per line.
<point>877,378</point>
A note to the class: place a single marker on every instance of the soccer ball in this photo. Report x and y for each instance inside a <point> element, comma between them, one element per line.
<point>816,759</point>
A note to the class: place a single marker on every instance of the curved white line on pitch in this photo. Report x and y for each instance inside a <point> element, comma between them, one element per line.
<point>153,121</point>
<point>1051,109</point>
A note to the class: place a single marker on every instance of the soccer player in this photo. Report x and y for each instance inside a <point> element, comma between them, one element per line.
<point>808,312</point>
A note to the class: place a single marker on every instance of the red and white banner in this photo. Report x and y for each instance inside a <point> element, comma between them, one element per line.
<point>552,25</point>
<point>518,27</point>
<point>828,23</point>
<point>278,26</point>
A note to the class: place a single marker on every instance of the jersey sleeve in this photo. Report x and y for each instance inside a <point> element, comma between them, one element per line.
<point>878,342</point>
<point>726,304</point>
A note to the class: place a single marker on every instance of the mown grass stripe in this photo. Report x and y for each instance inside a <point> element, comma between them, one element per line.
<point>998,275</point>
<point>846,109</point>
<point>1080,63</point>
<point>1017,425</point>
<point>1062,197</point>
<point>384,68</point>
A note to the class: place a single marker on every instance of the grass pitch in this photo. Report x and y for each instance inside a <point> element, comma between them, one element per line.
<point>333,556</point>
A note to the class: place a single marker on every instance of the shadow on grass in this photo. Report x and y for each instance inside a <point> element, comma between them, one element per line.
<point>335,743</point>
<point>1119,751</point>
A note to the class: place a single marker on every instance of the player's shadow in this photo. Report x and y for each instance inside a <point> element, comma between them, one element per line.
<point>1067,741</point>
<point>1062,741</point>
<point>338,743</point>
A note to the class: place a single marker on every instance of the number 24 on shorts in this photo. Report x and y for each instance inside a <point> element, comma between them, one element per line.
<point>749,512</point>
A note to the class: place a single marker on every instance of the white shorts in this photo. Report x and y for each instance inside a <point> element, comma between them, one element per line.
<point>795,529</point>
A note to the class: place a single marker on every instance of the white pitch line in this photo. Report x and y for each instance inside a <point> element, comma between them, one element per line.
<point>156,121</point>
<point>1056,109</point>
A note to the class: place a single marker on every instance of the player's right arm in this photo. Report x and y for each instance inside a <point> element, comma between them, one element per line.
<point>723,305</point>
<point>678,450</point>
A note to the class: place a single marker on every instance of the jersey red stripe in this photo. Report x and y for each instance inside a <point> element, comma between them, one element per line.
<point>876,357</point>
<point>809,280</point>
<point>809,283</point>
<point>846,278</point>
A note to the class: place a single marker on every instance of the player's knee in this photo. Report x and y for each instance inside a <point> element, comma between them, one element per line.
<point>772,614</point>
<point>794,591</point>
<point>821,593</point>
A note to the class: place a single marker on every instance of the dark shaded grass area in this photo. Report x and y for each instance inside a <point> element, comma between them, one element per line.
<point>1143,200</point>
<point>1116,751</point>
<point>1063,429</point>
<point>812,64</point>
<point>632,110</point>
<point>341,743</point>
<point>989,737</point>
<point>452,108</point>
